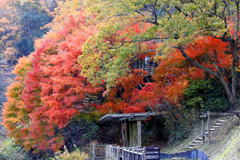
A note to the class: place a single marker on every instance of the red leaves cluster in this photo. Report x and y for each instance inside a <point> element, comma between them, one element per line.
<point>54,90</point>
<point>130,95</point>
<point>211,49</point>
<point>174,73</point>
<point>171,77</point>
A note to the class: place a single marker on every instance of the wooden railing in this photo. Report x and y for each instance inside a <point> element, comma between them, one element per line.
<point>98,151</point>
<point>132,153</point>
<point>147,153</point>
<point>112,152</point>
<point>148,66</point>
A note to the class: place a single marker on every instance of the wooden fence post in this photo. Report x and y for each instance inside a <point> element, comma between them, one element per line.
<point>203,130</point>
<point>139,134</point>
<point>208,125</point>
<point>93,151</point>
<point>144,153</point>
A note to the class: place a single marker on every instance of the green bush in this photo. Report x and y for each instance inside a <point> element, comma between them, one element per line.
<point>75,155</point>
<point>10,151</point>
<point>205,95</point>
<point>79,133</point>
<point>179,124</point>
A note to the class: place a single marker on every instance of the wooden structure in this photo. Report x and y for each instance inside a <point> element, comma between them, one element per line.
<point>206,130</point>
<point>131,126</point>
<point>98,151</point>
<point>211,122</point>
<point>132,153</point>
<point>146,153</point>
<point>147,64</point>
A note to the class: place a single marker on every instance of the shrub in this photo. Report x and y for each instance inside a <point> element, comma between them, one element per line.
<point>205,95</point>
<point>10,151</point>
<point>75,155</point>
<point>79,133</point>
<point>179,123</point>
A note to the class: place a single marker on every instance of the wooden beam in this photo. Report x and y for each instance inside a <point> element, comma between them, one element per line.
<point>138,119</point>
<point>139,133</point>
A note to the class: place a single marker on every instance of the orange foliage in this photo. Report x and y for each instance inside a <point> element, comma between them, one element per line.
<point>54,90</point>
<point>174,72</point>
<point>131,95</point>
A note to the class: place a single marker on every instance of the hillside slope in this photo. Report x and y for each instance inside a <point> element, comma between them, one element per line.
<point>225,142</point>
<point>229,147</point>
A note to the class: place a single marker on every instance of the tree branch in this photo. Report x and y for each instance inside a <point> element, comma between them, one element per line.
<point>196,63</point>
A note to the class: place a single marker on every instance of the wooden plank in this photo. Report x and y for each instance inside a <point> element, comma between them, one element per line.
<point>152,153</point>
<point>139,134</point>
<point>142,118</point>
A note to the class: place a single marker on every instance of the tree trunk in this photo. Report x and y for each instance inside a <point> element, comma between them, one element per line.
<point>235,52</point>
<point>230,96</point>
<point>230,91</point>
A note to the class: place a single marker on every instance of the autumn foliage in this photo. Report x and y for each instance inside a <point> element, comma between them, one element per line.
<point>52,91</point>
<point>82,65</point>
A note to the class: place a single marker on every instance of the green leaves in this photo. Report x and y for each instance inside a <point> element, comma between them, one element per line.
<point>205,95</point>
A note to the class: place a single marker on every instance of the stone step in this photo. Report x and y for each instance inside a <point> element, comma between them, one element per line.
<point>217,126</point>
<point>199,139</point>
<point>189,148</point>
<point>221,120</point>
<point>212,129</point>
<point>196,141</point>
<point>219,123</point>
<point>206,132</point>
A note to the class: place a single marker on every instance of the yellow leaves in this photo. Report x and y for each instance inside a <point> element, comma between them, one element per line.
<point>24,65</point>
<point>4,20</point>
<point>65,10</point>
<point>238,69</point>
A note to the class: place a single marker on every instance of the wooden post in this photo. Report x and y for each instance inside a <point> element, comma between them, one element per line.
<point>203,129</point>
<point>133,141</point>
<point>144,153</point>
<point>93,151</point>
<point>123,132</point>
<point>139,134</point>
<point>208,125</point>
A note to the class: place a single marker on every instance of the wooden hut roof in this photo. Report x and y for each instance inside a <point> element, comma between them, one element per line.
<point>126,116</point>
